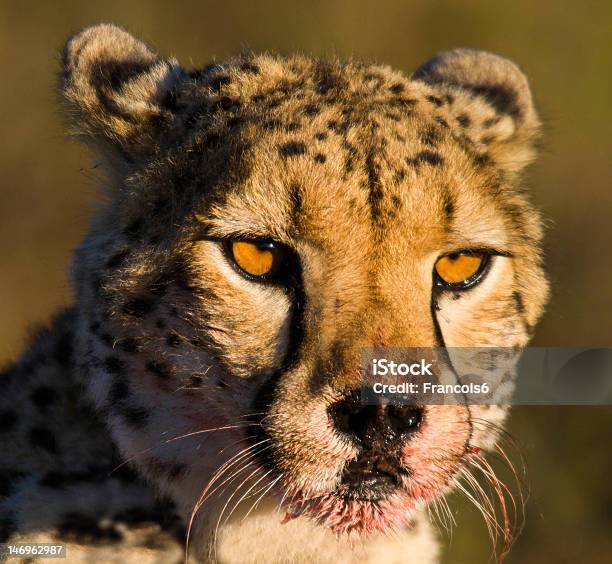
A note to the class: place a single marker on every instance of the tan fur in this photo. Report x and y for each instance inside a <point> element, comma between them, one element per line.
<point>367,177</point>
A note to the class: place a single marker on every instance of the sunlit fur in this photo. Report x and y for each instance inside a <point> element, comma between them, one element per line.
<point>216,387</point>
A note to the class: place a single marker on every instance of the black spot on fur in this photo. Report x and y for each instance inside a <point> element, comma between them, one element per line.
<point>134,229</point>
<point>296,203</point>
<point>196,342</point>
<point>227,104</point>
<point>482,159</point>
<point>291,149</point>
<point>491,122</point>
<point>160,284</point>
<point>234,121</point>
<point>160,369</point>
<point>7,481</point>
<point>192,118</point>
<point>449,98</point>
<point>518,300</point>
<point>171,470</point>
<point>397,88</point>
<point>135,516</point>
<point>312,110</point>
<point>320,158</point>
<point>135,416</point>
<point>399,175</point>
<point>372,76</point>
<point>119,391</point>
<point>83,529</point>
<point>392,116</point>
<point>211,140</point>
<point>107,339</point>
<point>42,438</point>
<point>173,340</point>
<point>170,101</point>
<point>250,68</point>
<point>435,100</point>
<point>396,201</point>
<point>177,470</point>
<point>115,74</point>
<point>113,365</point>
<point>138,307</point>
<point>464,120</point>
<point>109,78</point>
<point>118,259</point>
<point>218,81</point>
<point>284,89</point>
<point>196,381</point>
<point>293,126</point>
<point>427,157</point>
<point>375,194</point>
<point>442,122</point>
<point>321,136</point>
<point>351,156</point>
<point>129,345</point>
<point>327,78</point>
<point>272,124</point>
<point>43,397</point>
<point>8,420</point>
<point>502,99</point>
<point>404,104</point>
<point>448,205</point>
<point>125,474</point>
<point>430,137</point>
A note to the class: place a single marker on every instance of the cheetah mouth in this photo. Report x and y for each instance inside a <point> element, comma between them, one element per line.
<point>371,477</point>
<point>360,514</point>
<point>366,487</point>
<point>368,499</point>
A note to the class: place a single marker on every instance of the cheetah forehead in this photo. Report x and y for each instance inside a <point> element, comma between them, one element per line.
<point>153,123</point>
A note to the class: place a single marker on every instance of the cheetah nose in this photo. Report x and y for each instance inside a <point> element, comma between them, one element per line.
<point>373,426</point>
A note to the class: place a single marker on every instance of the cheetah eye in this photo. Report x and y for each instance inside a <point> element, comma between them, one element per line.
<point>460,270</point>
<point>262,260</point>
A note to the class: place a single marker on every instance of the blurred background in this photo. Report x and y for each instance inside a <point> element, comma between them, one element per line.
<point>46,190</point>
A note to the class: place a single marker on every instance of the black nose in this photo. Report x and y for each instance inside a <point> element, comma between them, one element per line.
<point>374,426</point>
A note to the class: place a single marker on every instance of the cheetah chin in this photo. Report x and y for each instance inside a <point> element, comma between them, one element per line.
<point>265,220</point>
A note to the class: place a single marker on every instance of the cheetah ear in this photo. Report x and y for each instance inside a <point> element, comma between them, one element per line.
<point>118,93</point>
<point>506,126</point>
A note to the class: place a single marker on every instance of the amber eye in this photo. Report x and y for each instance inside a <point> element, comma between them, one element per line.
<point>258,259</point>
<point>460,269</point>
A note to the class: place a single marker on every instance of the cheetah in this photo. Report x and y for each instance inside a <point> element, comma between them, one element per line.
<point>263,220</point>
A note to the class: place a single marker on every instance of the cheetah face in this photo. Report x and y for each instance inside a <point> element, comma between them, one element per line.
<point>266,220</point>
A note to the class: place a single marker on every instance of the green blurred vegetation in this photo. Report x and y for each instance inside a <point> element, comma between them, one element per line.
<point>565,48</point>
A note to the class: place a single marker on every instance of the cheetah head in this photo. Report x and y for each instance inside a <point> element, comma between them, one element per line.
<point>264,221</point>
